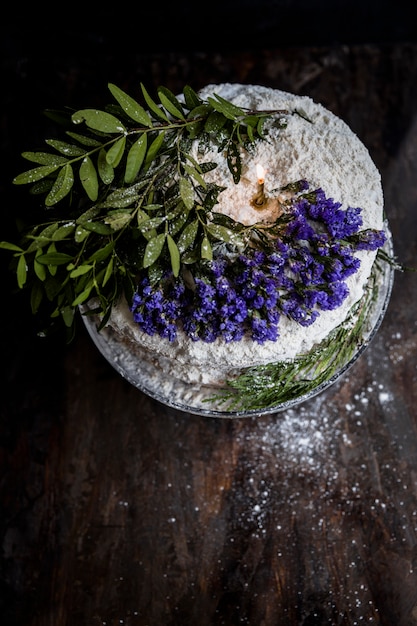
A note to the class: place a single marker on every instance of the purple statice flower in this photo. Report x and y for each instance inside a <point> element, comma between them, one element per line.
<point>200,317</point>
<point>338,292</point>
<point>205,302</point>
<point>299,228</point>
<point>262,331</point>
<point>338,222</point>
<point>154,312</point>
<point>302,275</point>
<point>370,240</point>
<point>231,331</point>
<point>295,308</point>
<point>331,296</point>
<point>341,224</point>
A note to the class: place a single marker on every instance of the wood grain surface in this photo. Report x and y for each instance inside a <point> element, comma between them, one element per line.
<point>115,509</point>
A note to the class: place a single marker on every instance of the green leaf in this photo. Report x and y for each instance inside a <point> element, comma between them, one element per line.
<point>62,186</point>
<point>54,258</point>
<point>251,120</point>
<point>35,174</point>
<point>234,162</point>
<point>191,97</point>
<point>135,158</point>
<point>98,120</point>
<point>88,215</point>
<point>5,245</point>
<point>80,271</point>
<point>250,133</point>
<point>260,127</point>
<point>228,109</point>
<point>39,268</point>
<point>114,155</point>
<point>45,158</point>
<point>174,255</point>
<point>194,173</point>
<point>170,103</point>
<point>102,253</point>
<point>153,250</point>
<point>151,223</point>
<point>130,106</point>
<point>187,192</point>
<point>143,219</point>
<point>67,314</point>
<point>63,232</point>
<point>118,219</point>
<point>65,148</point>
<point>154,148</point>
<point>200,111</point>
<point>153,106</point>
<point>153,207</point>
<point>194,129</point>
<point>109,271</point>
<point>215,122</point>
<point>98,227</point>
<point>105,170</point>
<point>120,198</point>
<point>206,249</point>
<point>83,296</point>
<point>52,251</point>
<point>88,177</point>
<point>179,220</point>
<point>81,234</point>
<point>224,234</point>
<point>188,236</point>
<point>37,243</point>
<point>21,271</point>
<point>49,230</point>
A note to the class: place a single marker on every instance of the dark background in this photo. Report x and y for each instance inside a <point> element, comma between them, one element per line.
<point>66,54</point>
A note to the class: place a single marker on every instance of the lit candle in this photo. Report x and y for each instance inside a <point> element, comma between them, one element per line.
<point>259,199</point>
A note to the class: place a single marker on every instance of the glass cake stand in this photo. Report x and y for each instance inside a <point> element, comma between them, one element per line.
<point>196,399</point>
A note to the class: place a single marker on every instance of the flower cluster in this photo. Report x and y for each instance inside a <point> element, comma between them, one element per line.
<point>304,273</point>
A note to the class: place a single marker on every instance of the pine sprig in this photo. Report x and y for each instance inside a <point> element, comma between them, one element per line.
<point>122,192</point>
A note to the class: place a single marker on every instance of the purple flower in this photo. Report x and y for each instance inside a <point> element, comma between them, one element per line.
<point>301,276</point>
<point>370,240</point>
<point>262,331</point>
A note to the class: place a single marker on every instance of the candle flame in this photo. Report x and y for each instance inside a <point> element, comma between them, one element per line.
<point>260,172</point>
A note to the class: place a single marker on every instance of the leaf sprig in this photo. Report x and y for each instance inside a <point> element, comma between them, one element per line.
<point>122,192</point>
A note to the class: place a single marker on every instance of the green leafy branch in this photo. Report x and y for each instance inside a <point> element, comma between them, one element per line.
<point>122,192</point>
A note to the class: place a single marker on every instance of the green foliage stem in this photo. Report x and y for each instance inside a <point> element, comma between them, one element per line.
<point>122,192</point>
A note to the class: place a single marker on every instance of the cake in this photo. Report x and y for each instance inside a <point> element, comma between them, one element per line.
<point>315,146</point>
<point>234,260</point>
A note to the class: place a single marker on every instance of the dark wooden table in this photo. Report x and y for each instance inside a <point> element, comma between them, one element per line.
<point>116,510</point>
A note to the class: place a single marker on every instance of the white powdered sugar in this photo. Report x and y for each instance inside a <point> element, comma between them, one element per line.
<point>323,151</point>
<point>315,146</point>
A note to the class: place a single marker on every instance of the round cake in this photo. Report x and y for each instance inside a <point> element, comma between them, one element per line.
<point>273,304</point>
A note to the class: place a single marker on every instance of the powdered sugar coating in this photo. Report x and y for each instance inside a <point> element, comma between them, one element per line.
<point>322,150</point>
